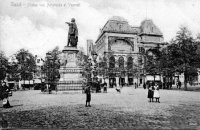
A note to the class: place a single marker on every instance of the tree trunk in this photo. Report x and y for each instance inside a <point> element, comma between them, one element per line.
<point>185,80</point>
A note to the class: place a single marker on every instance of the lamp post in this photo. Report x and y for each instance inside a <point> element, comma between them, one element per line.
<point>23,66</point>
<point>94,56</point>
<point>49,64</point>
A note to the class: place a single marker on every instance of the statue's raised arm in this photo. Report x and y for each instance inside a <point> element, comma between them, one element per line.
<point>72,33</point>
<point>68,23</point>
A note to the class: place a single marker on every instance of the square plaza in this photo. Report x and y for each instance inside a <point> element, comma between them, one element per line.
<point>129,109</point>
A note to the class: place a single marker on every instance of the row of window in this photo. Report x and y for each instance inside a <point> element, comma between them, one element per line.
<point>121,62</point>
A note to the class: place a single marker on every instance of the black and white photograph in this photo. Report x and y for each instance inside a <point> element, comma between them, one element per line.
<point>100,64</point>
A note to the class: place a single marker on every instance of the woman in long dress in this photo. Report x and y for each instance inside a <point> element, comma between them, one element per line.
<point>156,93</point>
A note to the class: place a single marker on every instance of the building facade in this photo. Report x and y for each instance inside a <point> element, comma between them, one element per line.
<point>122,45</point>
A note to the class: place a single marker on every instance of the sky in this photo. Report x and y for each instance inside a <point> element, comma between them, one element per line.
<point>39,25</point>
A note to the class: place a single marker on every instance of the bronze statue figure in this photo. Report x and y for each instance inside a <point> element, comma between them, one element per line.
<point>72,33</point>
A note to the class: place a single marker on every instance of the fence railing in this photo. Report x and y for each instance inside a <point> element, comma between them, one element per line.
<point>69,85</point>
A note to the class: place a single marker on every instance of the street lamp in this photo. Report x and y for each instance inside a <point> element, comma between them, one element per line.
<point>49,63</point>
<point>94,56</point>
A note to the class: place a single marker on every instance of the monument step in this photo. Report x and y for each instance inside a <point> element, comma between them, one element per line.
<point>68,87</point>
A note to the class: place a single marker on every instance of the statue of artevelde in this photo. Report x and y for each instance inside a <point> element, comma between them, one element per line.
<point>72,33</point>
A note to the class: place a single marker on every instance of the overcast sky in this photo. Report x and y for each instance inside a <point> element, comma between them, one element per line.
<point>41,26</point>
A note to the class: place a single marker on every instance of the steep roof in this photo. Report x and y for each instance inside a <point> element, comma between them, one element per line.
<point>148,27</point>
<point>119,25</point>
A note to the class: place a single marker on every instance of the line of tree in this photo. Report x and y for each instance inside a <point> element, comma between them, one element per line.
<point>22,67</point>
<point>182,55</point>
<point>26,64</point>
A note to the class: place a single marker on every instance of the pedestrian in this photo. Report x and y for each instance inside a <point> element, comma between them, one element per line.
<point>42,87</point>
<point>96,86</point>
<point>144,86</point>
<point>88,96</point>
<point>105,87</point>
<point>150,93</point>
<point>156,93</point>
<point>135,85</point>
<point>5,92</point>
<point>179,84</point>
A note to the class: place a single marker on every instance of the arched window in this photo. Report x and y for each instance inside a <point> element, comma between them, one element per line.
<point>121,62</point>
<point>112,62</point>
<point>130,63</point>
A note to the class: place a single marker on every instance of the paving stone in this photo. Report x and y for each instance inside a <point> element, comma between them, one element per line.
<point>128,110</point>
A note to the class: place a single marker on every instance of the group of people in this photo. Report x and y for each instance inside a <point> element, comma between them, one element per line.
<point>4,95</point>
<point>153,92</point>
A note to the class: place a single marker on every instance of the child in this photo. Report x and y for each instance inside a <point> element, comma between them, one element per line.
<point>150,92</point>
<point>88,96</point>
<point>156,93</point>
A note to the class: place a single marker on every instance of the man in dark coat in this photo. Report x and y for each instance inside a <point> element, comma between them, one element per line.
<point>88,96</point>
<point>179,84</point>
<point>144,86</point>
<point>105,87</point>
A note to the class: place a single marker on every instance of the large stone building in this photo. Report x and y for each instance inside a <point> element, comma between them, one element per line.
<point>122,45</point>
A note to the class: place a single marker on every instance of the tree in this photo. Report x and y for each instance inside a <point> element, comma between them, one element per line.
<point>27,65</point>
<point>87,68</point>
<point>169,61</point>
<point>183,54</point>
<point>80,57</point>
<point>105,67</point>
<point>13,69</point>
<point>51,66</point>
<point>153,61</point>
<point>197,41</point>
<point>3,66</point>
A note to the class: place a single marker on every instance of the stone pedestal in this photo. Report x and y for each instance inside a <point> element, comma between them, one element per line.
<point>70,73</point>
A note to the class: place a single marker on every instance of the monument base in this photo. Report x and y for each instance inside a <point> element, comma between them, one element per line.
<point>70,73</point>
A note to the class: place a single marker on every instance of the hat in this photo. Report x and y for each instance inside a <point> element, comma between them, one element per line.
<point>73,20</point>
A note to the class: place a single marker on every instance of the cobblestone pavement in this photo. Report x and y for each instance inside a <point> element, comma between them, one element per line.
<point>129,109</point>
